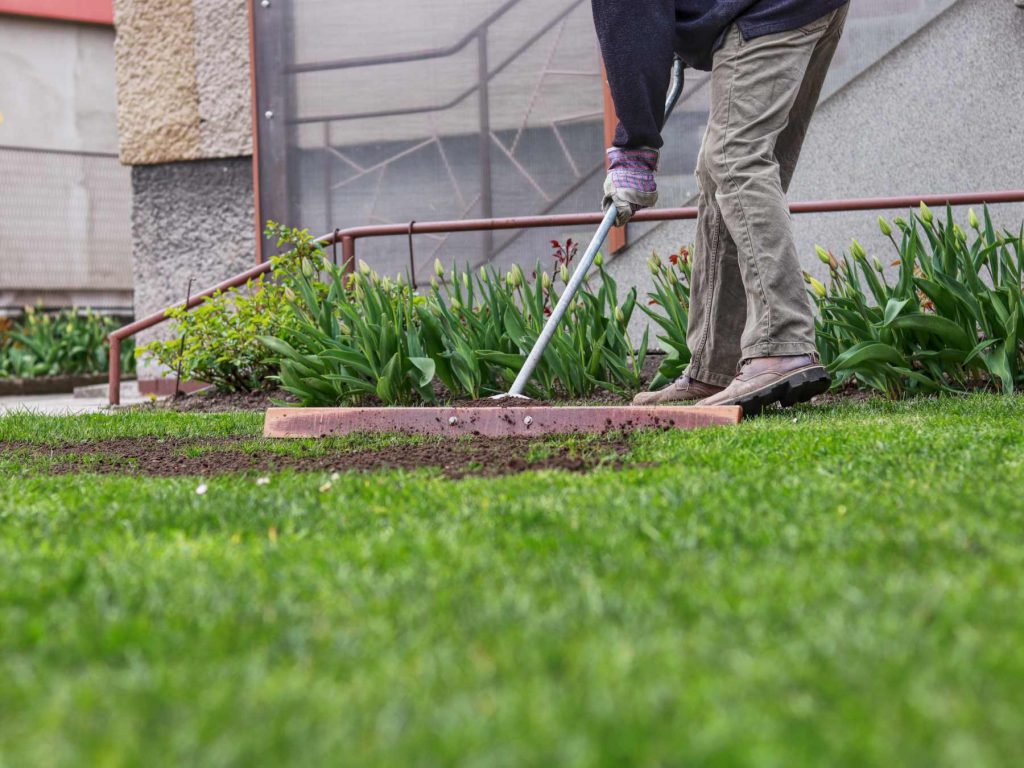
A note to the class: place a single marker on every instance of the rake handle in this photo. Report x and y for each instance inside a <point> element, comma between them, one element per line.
<point>519,385</point>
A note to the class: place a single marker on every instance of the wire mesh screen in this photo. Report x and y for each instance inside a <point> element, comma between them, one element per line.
<point>444,109</point>
<point>65,229</point>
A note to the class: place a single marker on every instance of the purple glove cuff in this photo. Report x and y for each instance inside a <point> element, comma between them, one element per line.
<point>633,168</point>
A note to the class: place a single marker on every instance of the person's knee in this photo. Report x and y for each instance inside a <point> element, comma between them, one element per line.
<point>735,161</point>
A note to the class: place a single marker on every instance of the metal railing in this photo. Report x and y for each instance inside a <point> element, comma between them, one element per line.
<point>347,238</point>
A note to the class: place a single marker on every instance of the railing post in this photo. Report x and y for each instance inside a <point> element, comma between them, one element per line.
<point>348,253</point>
<point>486,200</point>
<point>114,371</point>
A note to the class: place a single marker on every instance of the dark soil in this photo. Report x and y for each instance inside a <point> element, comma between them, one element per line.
<point>166,457</point>
<point>212,401</point>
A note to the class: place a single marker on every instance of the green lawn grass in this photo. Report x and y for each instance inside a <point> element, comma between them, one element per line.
<point>836,586</point>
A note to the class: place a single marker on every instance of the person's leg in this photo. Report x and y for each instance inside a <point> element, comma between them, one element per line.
<point>713,336</point>
<point>763,94</point>
<point>717,298</point>
<point>755,85</point>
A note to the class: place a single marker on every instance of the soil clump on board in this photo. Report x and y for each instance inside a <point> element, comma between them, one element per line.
<point>175,457</point>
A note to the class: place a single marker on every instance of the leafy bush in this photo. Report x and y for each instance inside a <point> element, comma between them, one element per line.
<point>367,336</point>
<point>953,320</point>
<point>218,341</point>
<point>68,342</point>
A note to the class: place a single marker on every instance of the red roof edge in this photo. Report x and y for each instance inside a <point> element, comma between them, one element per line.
<point>87,11</point>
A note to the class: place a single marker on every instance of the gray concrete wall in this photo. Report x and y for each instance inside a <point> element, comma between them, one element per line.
<point>57,85</point>
<point>186,223</point>
<point>57,101</point>
<point>940,113</point>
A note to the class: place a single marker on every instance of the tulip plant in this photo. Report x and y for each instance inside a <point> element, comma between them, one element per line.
<point>360,337</point>
<point>952,320</point>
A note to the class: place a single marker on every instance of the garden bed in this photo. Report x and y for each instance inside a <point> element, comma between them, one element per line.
<point>178,457</point>
<point>48,385</point>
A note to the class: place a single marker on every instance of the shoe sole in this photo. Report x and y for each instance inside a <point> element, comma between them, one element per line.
<point>798,387</point>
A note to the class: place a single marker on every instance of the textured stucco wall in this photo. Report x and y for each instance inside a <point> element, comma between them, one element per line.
<point>182,80</point>
<point>185,125</point>
<point>185,223</point>
<point>941,113</point>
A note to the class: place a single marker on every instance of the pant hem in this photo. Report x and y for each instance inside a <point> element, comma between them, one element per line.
<point>697,373</point>
<point>779,349</point>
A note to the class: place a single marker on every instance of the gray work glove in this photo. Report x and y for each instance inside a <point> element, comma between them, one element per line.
<point>630,184</point>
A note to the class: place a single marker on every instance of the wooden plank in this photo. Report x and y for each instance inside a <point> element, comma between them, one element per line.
<point>491,422</point>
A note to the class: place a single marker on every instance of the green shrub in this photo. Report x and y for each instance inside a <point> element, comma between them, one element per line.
<point>218,341</point>
<point>68,342</point>
<point>953,320</point>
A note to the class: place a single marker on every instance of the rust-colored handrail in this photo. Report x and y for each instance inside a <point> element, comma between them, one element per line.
<point>348,237</point>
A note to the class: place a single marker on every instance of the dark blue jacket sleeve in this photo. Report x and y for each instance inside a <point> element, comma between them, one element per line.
<point>637,38</point>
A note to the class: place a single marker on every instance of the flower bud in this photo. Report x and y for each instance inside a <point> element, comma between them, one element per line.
<point>818,288</point>
<point>926,213</point>
<point>433,283</point>
<point>364,268</point>
<point>599,259</point>
<point>517,276</point>
<point>307,267</point>
<point>825,257</point>
<point>960,234</point>
<point>545,280</point>
<point>972,219</point>
<point>900,222</point>
<point>563,274</point>
<point>438,268</point>
<point>620,317</point>
<point>857,251</point>
<point>483,274</point>
<point>878,265</point>
<point>456,305</point>
<point>655,264</point>
<point>465,280</point>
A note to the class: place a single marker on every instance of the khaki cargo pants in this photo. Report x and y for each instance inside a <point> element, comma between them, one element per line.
<point>748,297</point>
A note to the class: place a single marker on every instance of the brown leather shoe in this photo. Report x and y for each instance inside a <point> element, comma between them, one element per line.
<point>682,389</point>
<point>765,380</point>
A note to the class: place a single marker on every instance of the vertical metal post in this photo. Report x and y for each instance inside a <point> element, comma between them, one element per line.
<point>486,199</point>
<point>272,93</point>
<point>348,253</point>
<point>114,371</point>
<point>328,180</point>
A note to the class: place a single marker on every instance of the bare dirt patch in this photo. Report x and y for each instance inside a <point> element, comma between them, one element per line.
<point>166,457</point>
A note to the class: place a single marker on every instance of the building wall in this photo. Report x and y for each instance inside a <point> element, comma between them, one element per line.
<point>184,118</point>
<point>940,113</point>
<point>62,181</point>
